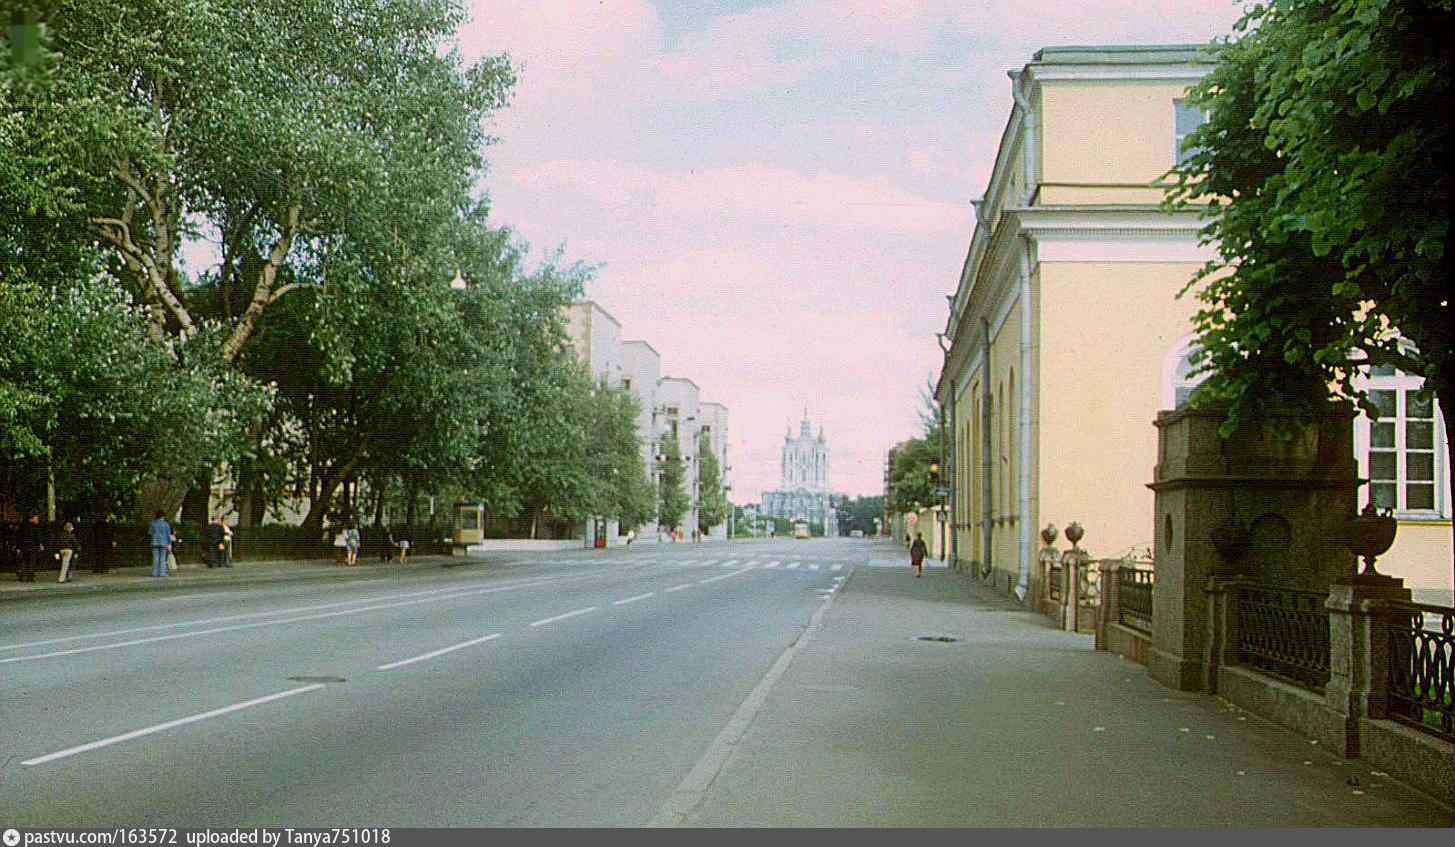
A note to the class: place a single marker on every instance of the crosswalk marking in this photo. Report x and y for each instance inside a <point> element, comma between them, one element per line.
<point>792,565</point>
<point>813,567</point>
<point>837,568</point>
<point>772,564</point>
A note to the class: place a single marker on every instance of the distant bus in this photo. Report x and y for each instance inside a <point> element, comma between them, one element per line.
<point>800,530</point>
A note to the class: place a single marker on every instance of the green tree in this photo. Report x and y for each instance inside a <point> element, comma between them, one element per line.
<point>712,502</point>
<point>860,513</point>
<point>672,501</point>
<point>88,401</point>
<point>1323,166</point>
<point>614,450</point>
<point>914,474</point>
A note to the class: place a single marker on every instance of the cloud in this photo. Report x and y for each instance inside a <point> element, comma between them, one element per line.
<point>748,191</point>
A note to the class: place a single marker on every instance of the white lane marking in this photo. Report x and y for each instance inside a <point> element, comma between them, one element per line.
<point>836,568</point>
<point>706,562</point>
<point>729,563</point>
<point>690,791</point>
<point>772,564</point>
<point>813,567</point>
<point>584,611</point>
<point>156,638</point>
<point>676,588</point>
<point>633,599</point>
<point>452,648</point>
<point>792,566</point>
<point>116,739</point>
<point>722,576</point>
<point>188,597</point>
<point>311,608</point>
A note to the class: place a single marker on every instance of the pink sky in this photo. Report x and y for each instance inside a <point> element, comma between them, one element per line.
<point>777,196</point>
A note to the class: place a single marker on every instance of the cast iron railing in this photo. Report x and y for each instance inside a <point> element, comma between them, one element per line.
<point>1422,668</point>
<point>1134,598</point>
<point>1283,633</point>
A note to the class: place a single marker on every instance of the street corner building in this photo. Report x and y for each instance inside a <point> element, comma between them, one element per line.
<point>1066,335</point>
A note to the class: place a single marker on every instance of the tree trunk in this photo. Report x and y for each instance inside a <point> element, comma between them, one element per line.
<point>329,484</point>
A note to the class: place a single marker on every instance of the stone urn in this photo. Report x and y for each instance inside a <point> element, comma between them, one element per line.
<point>1074,533</point>
<point>1048,535</point>
<point>1368,535</point>
<point>1231,540</point>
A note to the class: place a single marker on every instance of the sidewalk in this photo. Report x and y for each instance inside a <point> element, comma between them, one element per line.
<point>1014,724</point>
<point>195,573</point>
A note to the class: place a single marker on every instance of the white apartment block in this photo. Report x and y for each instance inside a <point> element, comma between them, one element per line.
<point>669,405</point>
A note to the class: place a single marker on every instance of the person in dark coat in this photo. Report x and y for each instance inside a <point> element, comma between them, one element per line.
<point>917,553</point>
<point>216,543</point>
<point>102,549</point>
<point>32,546</point>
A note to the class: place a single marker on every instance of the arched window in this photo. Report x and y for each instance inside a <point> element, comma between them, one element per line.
<point>1401,451</point>
<point>1178,380</point>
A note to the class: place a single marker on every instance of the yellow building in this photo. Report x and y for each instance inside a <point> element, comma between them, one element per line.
<point>1066,335</point>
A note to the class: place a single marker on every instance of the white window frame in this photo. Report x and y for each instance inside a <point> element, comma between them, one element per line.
<point>1178,105</point>
<point>1171,380</point>
<point>1403,384</point>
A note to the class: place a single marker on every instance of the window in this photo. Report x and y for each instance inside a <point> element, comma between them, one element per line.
<point>1400,450</point>
<point>1186,117</point>
<point>1178,380</point>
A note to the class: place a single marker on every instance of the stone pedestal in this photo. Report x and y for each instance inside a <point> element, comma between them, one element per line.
<point>1360,622</point>
<point>1255,507</point>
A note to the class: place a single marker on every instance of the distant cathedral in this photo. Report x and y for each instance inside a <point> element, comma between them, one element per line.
<point>803,491</point>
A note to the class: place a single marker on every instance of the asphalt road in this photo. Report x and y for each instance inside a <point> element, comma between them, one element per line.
<point>559,690</point>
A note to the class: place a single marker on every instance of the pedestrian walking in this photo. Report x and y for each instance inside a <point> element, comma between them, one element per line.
<point>216,544</point>
<point>404,542</point>
<point>66,549</point>
<point>226,542</point>
<point>32,546</point>
<point>340,547</point>
<point>174,554</point>
<point>917,553</point>
<point>102,549</point>
<point>386,543</point>
<point>351,539</point>
<point>161,537</point>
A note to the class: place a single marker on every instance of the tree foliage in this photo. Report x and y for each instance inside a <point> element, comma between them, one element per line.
<point>860,513</point>
<point>87,397</point>
<point>1324,169</point>
<point>672,499</point>
<point>914,478</point>
<point>712,504</point>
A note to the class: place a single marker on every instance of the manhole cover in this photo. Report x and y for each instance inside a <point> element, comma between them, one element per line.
<point>942,639</point>
<point>317,679</point>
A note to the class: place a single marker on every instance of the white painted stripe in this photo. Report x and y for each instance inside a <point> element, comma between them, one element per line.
<point>707,562</point>
<point>813,567</point>
<point>792,566</point>
<point>676,588</point>
<point>836,568</point>
<point>721,576</point>
<point>452,648</point>
<point>116,739</point>
<point>190,597</point>
<point>771,565</point>
<point>311,608</point>
<point>235,627</point>
<point>586,610</point>
<point>729,563</point>
<point>634,599</point>
<point>690,791</point>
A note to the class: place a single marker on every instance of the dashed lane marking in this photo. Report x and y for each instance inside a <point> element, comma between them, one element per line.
<point>584,611</point>
<point>440,652</point>
<point>161,727</point>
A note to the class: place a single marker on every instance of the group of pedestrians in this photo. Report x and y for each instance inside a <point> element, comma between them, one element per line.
<point>348,542</point>
<point>33,545</point>
<point>165,543</point>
